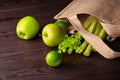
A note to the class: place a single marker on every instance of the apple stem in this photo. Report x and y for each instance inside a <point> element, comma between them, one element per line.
<point>41,35</point>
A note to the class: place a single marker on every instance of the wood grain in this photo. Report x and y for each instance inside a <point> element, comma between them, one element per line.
<point>25,60</point>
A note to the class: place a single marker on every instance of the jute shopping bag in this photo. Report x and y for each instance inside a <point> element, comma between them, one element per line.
<point>108,13</point>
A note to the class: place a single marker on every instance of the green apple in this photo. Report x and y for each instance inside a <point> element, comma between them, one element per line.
<point>27,28</point>
<point>52,35</point>
<point>63,25</point>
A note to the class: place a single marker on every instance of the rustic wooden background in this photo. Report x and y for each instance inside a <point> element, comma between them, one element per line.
<point>25,60</point>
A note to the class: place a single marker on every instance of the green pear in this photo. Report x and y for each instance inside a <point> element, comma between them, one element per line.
<point>27,28</point>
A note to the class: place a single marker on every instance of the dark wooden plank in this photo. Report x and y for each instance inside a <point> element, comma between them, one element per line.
<point>43,9</point>
<point>25,60</point>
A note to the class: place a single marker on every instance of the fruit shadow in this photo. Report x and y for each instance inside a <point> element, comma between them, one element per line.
<point>69,59</point>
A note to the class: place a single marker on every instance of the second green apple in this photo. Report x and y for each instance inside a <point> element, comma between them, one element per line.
<point>52,35</point>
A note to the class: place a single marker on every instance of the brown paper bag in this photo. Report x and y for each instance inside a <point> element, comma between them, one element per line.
<point>107,11</point>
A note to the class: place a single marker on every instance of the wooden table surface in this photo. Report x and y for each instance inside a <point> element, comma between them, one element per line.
<point>25,60</point>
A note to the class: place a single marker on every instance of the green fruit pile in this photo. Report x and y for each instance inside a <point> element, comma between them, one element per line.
<point>52,34</point>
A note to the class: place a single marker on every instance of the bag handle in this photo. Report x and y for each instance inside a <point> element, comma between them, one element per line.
<point>92,39</point>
